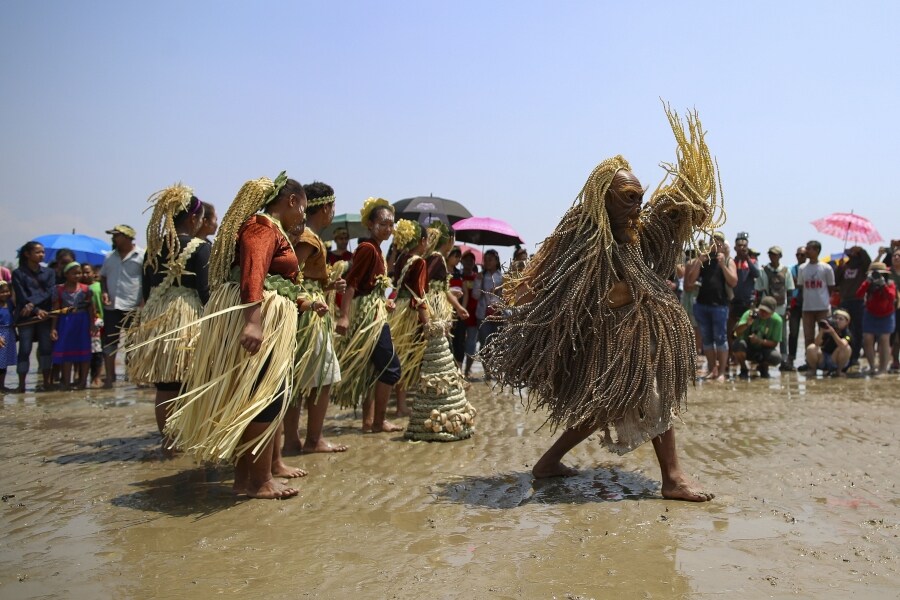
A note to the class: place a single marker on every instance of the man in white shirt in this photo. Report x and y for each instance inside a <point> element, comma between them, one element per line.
<point>120,283</point>
<point>816,279</point>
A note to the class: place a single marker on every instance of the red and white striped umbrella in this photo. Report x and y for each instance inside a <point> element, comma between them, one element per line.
<point>848,227</point>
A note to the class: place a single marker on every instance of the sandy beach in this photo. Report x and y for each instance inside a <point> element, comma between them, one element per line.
<point>804,470</point>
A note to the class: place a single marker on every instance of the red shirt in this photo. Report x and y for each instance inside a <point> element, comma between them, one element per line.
<point>416,279</point>
<point>263,249</point>
<point>881,302</point>
<point>366,266</point>
<point>333,257</point>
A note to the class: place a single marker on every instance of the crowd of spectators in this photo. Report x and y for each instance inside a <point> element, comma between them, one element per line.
<point>72,312</point>
<point>744,310</point>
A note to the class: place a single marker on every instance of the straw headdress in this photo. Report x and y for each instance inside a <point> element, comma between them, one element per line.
<point>251,198</point>
<point>161,230</point>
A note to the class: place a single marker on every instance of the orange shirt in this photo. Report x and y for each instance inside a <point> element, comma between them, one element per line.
<point>262,249</point>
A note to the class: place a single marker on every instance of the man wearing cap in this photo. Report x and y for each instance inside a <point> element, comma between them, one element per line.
<point>795,311</point>
<point>341,241</point>
<point>747,274</point>
<point>758,334</point>
<point>776,280</point>
<point>120,284</point>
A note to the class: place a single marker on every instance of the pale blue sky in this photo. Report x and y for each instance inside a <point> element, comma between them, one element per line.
<point>503,106</point>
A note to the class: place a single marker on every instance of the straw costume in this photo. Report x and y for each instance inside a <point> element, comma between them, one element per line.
<point>368,329</point>
<point>227,388</point>
<point>593,331</point>
<point>439,277</point>
<point>175,288</point>
<point>412,278</point>
<point>441,412</point>
<point>317,364</point>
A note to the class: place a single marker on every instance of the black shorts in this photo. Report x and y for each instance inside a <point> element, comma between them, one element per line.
<point>270,412</point>
<point>387,364</point>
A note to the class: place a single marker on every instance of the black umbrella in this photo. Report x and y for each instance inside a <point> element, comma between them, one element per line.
<point>427,208</point>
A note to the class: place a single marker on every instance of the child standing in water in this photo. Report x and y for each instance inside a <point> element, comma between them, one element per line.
<point>7,332</point>
<point>72,330</point>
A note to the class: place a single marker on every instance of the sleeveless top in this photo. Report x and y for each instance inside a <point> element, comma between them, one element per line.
<point>316,266</point>
<point>712,289</point>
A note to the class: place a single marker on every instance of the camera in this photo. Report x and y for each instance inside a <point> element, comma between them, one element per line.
<point>877,280</point>
<point>825,323</point>
<point>754,314</point>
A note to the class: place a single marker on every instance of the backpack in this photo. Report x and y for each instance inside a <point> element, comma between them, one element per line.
<point>776,281</point>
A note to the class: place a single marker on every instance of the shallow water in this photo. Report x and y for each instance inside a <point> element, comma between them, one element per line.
<point>804,471</point>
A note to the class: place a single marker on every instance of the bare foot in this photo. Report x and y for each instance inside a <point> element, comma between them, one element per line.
<point>292,447</point>
<point>323,446</point>
<point>240,489</point>
<point>367,428</point>
<point>279,469</point>
<point>542,471</point>
<point>403,413</point>
<point>684,489</point>
<point>385,427</point>
<point>272,490</point>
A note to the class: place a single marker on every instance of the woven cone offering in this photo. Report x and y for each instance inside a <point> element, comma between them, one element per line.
<point>440,411</point>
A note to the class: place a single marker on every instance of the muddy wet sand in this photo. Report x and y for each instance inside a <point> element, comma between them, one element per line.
<point>805,472</point>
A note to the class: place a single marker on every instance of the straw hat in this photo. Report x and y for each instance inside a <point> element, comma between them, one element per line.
<point>879,267</point>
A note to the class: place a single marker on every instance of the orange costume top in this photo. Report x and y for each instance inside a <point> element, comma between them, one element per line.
<point>262,249</point>
<point>367,265</point>
<point>316,267</point>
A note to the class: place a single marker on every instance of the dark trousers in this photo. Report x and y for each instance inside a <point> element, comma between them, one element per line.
<point>795,324</point>
<point>28,334</point>
<point>856,307</point>
<point>459,340</point>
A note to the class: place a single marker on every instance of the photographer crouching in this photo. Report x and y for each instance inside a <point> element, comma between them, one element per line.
<point>758,335</point>
<point>831,349</point>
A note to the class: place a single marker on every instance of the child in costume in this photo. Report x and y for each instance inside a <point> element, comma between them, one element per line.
<point>175,288</point>
<point>317,367</point>
<point>242,371</point>
<point>442,302</point>
<point>411,314</point>
<point>592,329</point>
<point>71,329</point>
<point>369,365</point>
<point>441,411</point>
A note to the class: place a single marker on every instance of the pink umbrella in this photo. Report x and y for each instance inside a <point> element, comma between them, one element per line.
<point>849,227</point>
<point>479,256</point>
<point>486,231</point>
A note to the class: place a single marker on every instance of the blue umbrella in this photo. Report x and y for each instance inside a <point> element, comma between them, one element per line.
<point>87,249</point>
